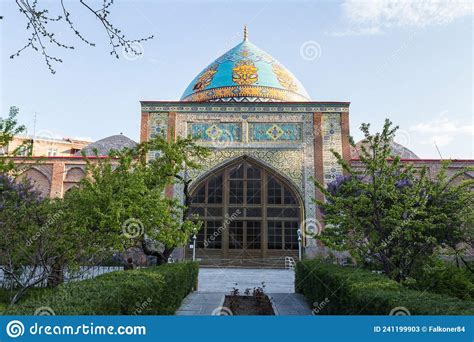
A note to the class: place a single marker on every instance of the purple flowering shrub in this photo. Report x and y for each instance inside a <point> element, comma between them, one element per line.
<point>403,183</point>
<point>390,215</point>
<point>336,185</point>
<point>23,213</point>
<point>17,193</point>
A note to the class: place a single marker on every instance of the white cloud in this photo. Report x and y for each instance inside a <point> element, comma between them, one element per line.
<point>361,31</point>
<point>442,130</point>
<point>83,138</point>
<point>367,17</point>
<point>439,140</point>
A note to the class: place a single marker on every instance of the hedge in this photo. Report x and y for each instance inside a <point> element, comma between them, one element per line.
<point>150,291</point>
<point>351,291</point>
<point>443,277</point>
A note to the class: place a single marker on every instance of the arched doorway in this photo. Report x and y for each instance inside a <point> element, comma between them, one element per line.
<point>249,212</point>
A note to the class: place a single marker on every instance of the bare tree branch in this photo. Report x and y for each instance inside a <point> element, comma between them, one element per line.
<point>42,37</point>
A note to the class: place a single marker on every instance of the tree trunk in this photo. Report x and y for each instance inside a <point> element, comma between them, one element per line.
<point>18,295</point>
<point>161,257</point>
<point>187,198</point>
<point>56,277</point>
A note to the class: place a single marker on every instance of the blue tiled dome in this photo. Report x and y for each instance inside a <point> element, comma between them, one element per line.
<point>245,74</point>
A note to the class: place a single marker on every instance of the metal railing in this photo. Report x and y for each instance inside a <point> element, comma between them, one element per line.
<point>290,263</point>
<point>83,273</point>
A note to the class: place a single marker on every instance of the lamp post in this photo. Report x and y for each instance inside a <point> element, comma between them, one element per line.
<point>194,247</point>
<point>299,244</point>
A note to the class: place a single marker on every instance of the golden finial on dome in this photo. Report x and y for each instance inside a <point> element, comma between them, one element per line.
<point>245,33</point>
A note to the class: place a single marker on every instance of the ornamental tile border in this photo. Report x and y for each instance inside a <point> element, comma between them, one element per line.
<point>157,124</point>
<point>210,107</point>
<point>332,140</point>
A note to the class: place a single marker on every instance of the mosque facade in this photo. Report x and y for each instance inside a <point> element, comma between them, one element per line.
<point>268,142</point>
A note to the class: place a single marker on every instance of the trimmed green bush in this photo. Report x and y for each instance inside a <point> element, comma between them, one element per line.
<point>33,293</point>
<point>150,291</point>
<point>443,277</point>
<point>352,291</point>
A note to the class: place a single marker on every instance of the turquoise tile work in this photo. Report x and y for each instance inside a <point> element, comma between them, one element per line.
<point>216,131</point>
<point>275,132</point>
<point>247,73</point>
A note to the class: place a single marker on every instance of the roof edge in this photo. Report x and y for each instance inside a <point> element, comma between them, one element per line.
<point>214,104</point>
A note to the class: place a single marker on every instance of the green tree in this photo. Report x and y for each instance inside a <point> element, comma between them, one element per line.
<point>23,251</point>
<point>452,209</point>
<point>8,129</point>
<point>389,214</point>
<point>123,202</point>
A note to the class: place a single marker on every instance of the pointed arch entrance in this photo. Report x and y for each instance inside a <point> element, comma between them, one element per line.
<point>248,211</point>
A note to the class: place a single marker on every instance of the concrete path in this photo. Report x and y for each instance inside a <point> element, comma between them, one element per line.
<point>287,304</point>
<point>224,279</point>
<point>215,283</point>
<point>201,304</point>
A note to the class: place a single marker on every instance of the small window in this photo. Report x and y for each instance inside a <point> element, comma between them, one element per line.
<point>291,235</point>
<point>253,173</point>
<point>200,195</point>
<point>253,192</point>
<point>214,212</point>
<point>215,190</point>
<point>274,191</point>
<point>214,234</point>
<point>288,197</point>
<point>254,233</point>
<point>253,212</point>
<point>275,235</point>
<point>23,151</point>
<point>236,235</point>
<point>236,191</point>
<point>52,152</point>
<point>237,172</point>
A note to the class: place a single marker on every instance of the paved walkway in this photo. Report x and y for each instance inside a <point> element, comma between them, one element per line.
<point>215,283</point>
<point>224,279</point>
<point>201,304</point>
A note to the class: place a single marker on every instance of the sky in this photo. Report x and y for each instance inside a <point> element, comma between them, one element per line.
<point>409,61</point>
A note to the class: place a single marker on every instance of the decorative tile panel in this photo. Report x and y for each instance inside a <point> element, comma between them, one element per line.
<point>332,140</point>
<point>215,132</point>
<point>157,124</point>
<point>291,132</point>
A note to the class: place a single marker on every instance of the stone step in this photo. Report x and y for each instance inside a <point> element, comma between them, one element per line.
<point>278,263</point>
